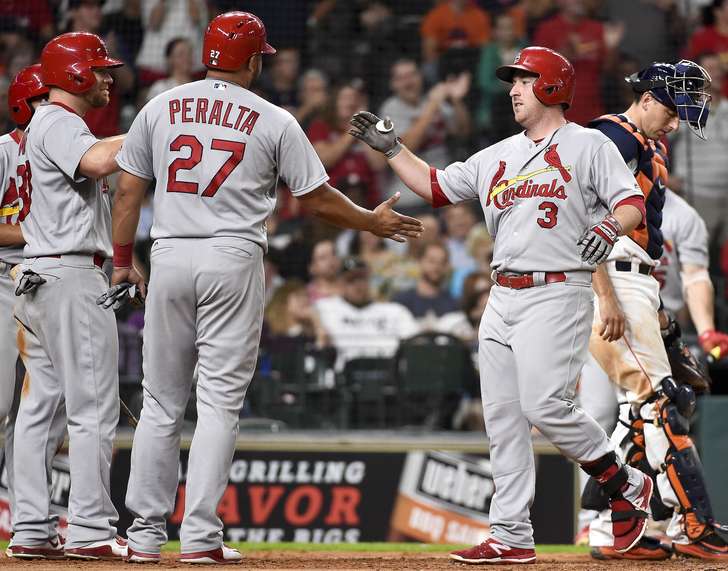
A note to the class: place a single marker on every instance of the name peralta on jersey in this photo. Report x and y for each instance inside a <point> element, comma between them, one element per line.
<point>539,198</point>
<point>14,201</point>
<point>217,151</point>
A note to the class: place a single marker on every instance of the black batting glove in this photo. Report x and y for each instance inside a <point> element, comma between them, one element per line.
<point>377,133</point>
<point>597,242</point>
<point>119,295</point>
<point>29,282</point>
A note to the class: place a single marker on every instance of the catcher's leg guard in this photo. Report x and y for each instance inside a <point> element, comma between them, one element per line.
<point>672,453</point>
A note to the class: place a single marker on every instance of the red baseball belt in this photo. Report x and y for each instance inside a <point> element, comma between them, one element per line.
<point>522,281</point>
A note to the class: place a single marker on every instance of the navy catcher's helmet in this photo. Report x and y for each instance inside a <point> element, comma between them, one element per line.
<point>681,87</point>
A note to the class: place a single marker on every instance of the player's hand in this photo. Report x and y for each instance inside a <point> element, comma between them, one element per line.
<point>597,242</point>
<point>377,133</point>
<point>613,319</point>
<point>130,275</point>
<point>391,224</point>
<point>714,343</point>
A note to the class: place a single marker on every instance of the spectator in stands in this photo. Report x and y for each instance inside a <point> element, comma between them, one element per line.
<point>459,220</point>
<point>465,322</point>
<point>666,28</point>
<point>357,325</point>
<point>85,16</point>
<point>589,45</point>
<point>700,168</point>
<point>312,96</point>
<point>342,154</point>
<point>179,65</point>
<point>164,20</point>
<point>493,116</point>
<point>712,37</point>
<point>324,271</point>
<point>479,246</point>
<point>453,24</point>
<point>291,314</point>
<point>125,21</point>
<point>6,124</point>
<point>430,299</point>
<point>381,261</point>
<point>425,120</point>
<point>281,84</point>
<point>35,16</point>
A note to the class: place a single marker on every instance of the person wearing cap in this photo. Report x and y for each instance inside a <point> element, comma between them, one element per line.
<point>554,197</point>
<point>656,412</point>
<point>358,325</point>
<point>25,94</point>
<point>217,151</point>
<point>71,345</point>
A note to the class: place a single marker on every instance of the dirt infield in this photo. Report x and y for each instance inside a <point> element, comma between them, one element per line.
<point>384,560</point>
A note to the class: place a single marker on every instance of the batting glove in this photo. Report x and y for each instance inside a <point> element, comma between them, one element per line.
<point>29,282</point>
<point>377,133</point>
<point>117,296</point>
<point>597,242</point>
<point>714,343</point>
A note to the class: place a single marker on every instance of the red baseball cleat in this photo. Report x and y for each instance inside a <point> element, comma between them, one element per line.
<point>108,549</point>
<point>51,549</point>
<point>141,557</point>
<point>629,518</point>
<point>222,555</point>
<point>492,551</point>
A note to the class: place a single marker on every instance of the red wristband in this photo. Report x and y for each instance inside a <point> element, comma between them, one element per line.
<point>123,255</point>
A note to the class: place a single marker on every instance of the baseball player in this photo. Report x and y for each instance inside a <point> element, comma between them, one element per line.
<point>626,339</point>
<point>683,272</point>
<point>216,151</point>
<point>555,197</point>
<point>25,93</point>
<point>71,345</point>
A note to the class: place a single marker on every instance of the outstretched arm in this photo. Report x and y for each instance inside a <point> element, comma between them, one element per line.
<point>332,206</point>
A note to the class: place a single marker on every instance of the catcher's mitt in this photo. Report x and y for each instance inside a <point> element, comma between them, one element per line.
<point>686,370</point>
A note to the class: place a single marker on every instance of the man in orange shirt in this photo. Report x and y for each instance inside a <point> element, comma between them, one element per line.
<point>453,24</point>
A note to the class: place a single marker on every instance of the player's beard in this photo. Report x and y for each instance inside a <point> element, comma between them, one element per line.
<point>98,96</point>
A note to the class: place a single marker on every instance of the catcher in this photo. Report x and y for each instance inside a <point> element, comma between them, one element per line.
<point>652,432</point>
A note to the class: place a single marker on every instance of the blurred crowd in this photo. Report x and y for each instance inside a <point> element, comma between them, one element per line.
<point>428,65</point>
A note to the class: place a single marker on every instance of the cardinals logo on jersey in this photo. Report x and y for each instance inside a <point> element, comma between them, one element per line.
<point>502,192</point>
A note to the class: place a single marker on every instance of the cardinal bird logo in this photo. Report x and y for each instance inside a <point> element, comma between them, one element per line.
<point>496,180</point>
<point>552,158</point>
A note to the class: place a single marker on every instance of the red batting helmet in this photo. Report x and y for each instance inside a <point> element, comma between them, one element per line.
<point>555,83</point>
<point>27,85</point>
<point>68,61</point>
<point>231,39</point>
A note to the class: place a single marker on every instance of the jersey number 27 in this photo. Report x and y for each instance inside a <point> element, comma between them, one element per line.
<point>235,148</point>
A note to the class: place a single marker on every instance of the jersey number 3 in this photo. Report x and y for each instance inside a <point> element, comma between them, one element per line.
<point>550,217</point>
<point>235,148</point>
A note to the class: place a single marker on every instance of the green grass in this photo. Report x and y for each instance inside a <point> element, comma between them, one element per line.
<point>364,547</point>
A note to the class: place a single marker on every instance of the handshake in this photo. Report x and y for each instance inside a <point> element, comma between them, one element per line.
<point>377,133</point>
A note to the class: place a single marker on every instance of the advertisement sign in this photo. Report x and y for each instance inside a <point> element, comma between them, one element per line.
<point>348,497</point>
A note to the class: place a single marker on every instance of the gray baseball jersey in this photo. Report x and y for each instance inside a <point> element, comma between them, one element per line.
<point>217,154</point>
<point>539,198</point>
<point>69,213</point>
<point>686,242</point>
<point>11,203</point>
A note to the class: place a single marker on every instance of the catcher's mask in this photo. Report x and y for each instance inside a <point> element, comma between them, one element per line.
<point>681,87</point>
